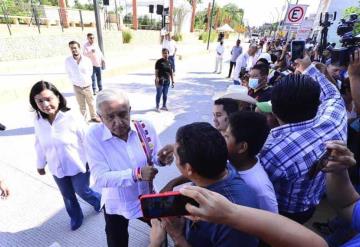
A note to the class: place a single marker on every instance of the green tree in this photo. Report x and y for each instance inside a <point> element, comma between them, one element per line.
<point>49,2</point>
<point>201,19</point>
<point>231,14</point>
<point>85,6</point>
<point>353,10</point>
<point>17,7</point>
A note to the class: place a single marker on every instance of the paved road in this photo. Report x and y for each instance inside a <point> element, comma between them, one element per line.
<point>34,214</point>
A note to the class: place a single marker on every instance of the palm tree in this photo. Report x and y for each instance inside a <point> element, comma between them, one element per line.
<point>193,4</point>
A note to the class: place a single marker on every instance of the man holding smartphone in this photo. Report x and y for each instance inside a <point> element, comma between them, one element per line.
<point>201,156</point>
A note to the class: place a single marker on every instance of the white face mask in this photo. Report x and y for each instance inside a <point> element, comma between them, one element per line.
<point>253,83</point>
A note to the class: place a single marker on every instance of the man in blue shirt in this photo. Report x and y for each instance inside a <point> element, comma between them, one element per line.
<point>235,53</point>
<point>201,156</point>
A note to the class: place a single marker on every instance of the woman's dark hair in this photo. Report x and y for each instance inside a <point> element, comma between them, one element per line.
<point>249,127</point>
<point>38,88</point>
<point>203,148</point>
<point>295,98</point>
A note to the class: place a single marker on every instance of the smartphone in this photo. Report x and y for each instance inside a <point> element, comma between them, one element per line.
<point>297,49</point>
<point>319,164</point>
<point>165,204</point>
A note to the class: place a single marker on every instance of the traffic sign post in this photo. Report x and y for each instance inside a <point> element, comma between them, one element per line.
<point>295,14</point>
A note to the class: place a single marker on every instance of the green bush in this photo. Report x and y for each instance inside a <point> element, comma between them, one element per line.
<point>205,35</point>
<point>127,37</point>
<point>178,37</point>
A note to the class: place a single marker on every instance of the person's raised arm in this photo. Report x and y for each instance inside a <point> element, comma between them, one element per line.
<point>354,76</point>
<point>328,90</point>
<point>273,229</point>
<point>340,191</point>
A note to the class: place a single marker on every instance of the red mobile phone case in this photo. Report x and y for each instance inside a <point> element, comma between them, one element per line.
<point>173,204</point>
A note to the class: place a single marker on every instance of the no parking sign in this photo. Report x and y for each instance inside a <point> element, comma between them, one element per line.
<point>295,14</point>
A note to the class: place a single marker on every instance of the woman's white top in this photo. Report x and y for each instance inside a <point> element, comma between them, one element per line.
<point>60,145</point>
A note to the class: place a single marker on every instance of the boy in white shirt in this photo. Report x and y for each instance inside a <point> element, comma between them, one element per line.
<point>245,136</point>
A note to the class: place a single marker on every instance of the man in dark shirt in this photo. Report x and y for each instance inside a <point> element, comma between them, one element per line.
<point>201,156</point>
<point>258,83</point>
<point>163,74</point>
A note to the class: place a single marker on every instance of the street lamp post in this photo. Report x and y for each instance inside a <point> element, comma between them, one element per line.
<point>98,25</point>
<point>211,17</point>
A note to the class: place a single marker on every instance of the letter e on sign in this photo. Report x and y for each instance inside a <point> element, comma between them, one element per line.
<point>295,14</point>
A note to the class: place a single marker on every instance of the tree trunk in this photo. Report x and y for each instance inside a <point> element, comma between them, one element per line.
<point>134,15</point>
<point>63,13</point>
<point>171,10</point>
<point>208,17</point>
<point>192,28</point>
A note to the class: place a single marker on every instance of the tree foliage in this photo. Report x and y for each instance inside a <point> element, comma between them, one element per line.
<point>353,10</point>
<point>229,14</point>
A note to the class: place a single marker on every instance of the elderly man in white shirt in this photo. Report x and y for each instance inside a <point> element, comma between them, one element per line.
<point>121,155</point>
<point>219,57</point>
<point>244,62</point>
<point>79,69</point>
<point>170,44</point>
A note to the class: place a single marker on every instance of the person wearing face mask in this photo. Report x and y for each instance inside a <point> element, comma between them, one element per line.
<point>258,83</point>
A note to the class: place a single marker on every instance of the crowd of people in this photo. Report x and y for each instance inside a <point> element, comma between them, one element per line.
<point>284,136</point>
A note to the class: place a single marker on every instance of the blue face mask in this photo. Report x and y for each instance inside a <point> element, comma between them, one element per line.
<point>253,83</point>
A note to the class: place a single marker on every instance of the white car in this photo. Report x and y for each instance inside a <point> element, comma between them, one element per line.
<point>254,38</point>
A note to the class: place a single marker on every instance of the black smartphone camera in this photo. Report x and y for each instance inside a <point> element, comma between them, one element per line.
<point>297,49</point>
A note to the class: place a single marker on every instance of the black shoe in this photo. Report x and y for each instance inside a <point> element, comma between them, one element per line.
<point>2,127</point>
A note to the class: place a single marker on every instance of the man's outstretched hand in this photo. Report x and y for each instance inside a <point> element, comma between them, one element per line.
<point>354,65</point>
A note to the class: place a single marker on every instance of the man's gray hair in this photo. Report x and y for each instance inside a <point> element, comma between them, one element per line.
<point>111,94</point>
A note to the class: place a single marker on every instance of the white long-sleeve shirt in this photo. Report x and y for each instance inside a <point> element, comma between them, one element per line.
<point>60,145</point>
<point>96,57</point>
<point>112,161</point>
<point>243,61</point>
<point>170,45</point>
<point>220,50</point>
<point>79,74</point>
